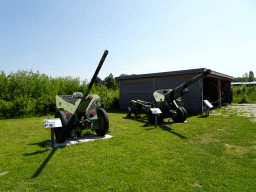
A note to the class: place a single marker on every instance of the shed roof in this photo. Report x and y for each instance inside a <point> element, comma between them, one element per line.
<point>198,70</point>
<point>243,83</point>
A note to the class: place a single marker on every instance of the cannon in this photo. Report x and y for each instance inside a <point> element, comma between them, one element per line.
<point>81,111</point>
<point>167,100</point>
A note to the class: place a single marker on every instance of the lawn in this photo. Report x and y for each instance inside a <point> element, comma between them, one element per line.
<point>217,153</point>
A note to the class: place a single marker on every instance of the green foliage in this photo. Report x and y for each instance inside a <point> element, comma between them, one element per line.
<point>251,76</point>
<point>244,94</point>
<point>123,75</point>
<point>26,94</point>
<point>239,79</point>
<point>98,81</point>
<point>110,82</point>
<point>108,98</point>
<point>245,77</point>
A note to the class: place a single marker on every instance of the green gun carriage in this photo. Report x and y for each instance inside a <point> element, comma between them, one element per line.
<point>81,111</point>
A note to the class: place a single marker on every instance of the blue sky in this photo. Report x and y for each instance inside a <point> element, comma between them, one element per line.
<point>68,38</point>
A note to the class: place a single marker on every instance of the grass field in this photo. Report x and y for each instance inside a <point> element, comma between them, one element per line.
<point>217,153</point>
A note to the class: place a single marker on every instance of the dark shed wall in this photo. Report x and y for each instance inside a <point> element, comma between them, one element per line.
<point>133,89</point>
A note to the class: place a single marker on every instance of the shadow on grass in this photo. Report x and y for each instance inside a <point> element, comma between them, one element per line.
<point>143,119</point>
<point>164,126</point>
<point>39,170</point>
<point>203,116</point>
<point>42,144</point>
<point>169,129</point>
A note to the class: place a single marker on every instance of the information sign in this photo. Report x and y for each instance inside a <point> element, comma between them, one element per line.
<point>155,110</point>
<point>52,123</point>
<point>208,103</point>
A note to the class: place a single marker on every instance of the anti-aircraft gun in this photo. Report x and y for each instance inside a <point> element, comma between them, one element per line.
<point>81,111</point>
<point>167,100</point>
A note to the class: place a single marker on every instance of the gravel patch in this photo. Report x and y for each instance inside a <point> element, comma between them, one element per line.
<point>246,110</point>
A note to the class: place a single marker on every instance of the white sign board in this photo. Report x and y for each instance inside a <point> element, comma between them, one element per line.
<point>52,123</point>
<point>208,103</point>
<point>155,110</point>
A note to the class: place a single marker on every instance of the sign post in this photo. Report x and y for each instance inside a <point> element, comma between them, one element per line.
<point>155,111</point>
<point>52,137</point>
<point>52,124</point>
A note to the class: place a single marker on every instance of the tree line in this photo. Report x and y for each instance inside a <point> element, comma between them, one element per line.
<point>245,77</point>
<point>27,94</point>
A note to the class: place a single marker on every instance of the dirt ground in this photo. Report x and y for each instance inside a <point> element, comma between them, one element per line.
<point>246,110</point>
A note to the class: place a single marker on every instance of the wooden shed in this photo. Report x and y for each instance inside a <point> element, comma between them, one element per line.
<point>215,87</point>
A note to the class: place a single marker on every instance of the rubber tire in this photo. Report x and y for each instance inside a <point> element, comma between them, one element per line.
<point>179,118</point>
<point>160,119</point>
<point>151,118</point>
<point>103,122</point>
<point>129,113</point>
<point>61,133</point>
<point>185,113</point>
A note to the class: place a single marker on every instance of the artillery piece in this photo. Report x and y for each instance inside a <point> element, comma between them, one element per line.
<point>81,111</point>
<point>167,100</point>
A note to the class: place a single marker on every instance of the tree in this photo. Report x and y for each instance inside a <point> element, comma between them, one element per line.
<point>110,82</point>
<point>245,76</point>
<point>238,79</point>
<point>98,81</point>
<point>251,76</point>
<point>123,75</point>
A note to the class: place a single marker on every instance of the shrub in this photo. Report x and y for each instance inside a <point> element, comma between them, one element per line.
<point>244,94</point>
<point>26,94</point>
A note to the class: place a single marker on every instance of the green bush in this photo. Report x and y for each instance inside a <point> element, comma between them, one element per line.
<point>108,98</point>
<point>244,94</point>
<point>27,94</point>
<point>7,109</point>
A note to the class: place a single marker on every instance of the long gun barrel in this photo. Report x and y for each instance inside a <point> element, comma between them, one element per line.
<point>96,73</point>
<point>182,89</point>
<point>82,105</point>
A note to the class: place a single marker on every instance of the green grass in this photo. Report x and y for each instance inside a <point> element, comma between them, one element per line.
<point>217,153</point>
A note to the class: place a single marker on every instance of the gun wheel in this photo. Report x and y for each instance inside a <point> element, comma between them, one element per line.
<point>103,122</point>
<point>129,112</point>
<point>179,118</point>
<point>160,119</point>
<point>61,133</point>
<point>185,113</point>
